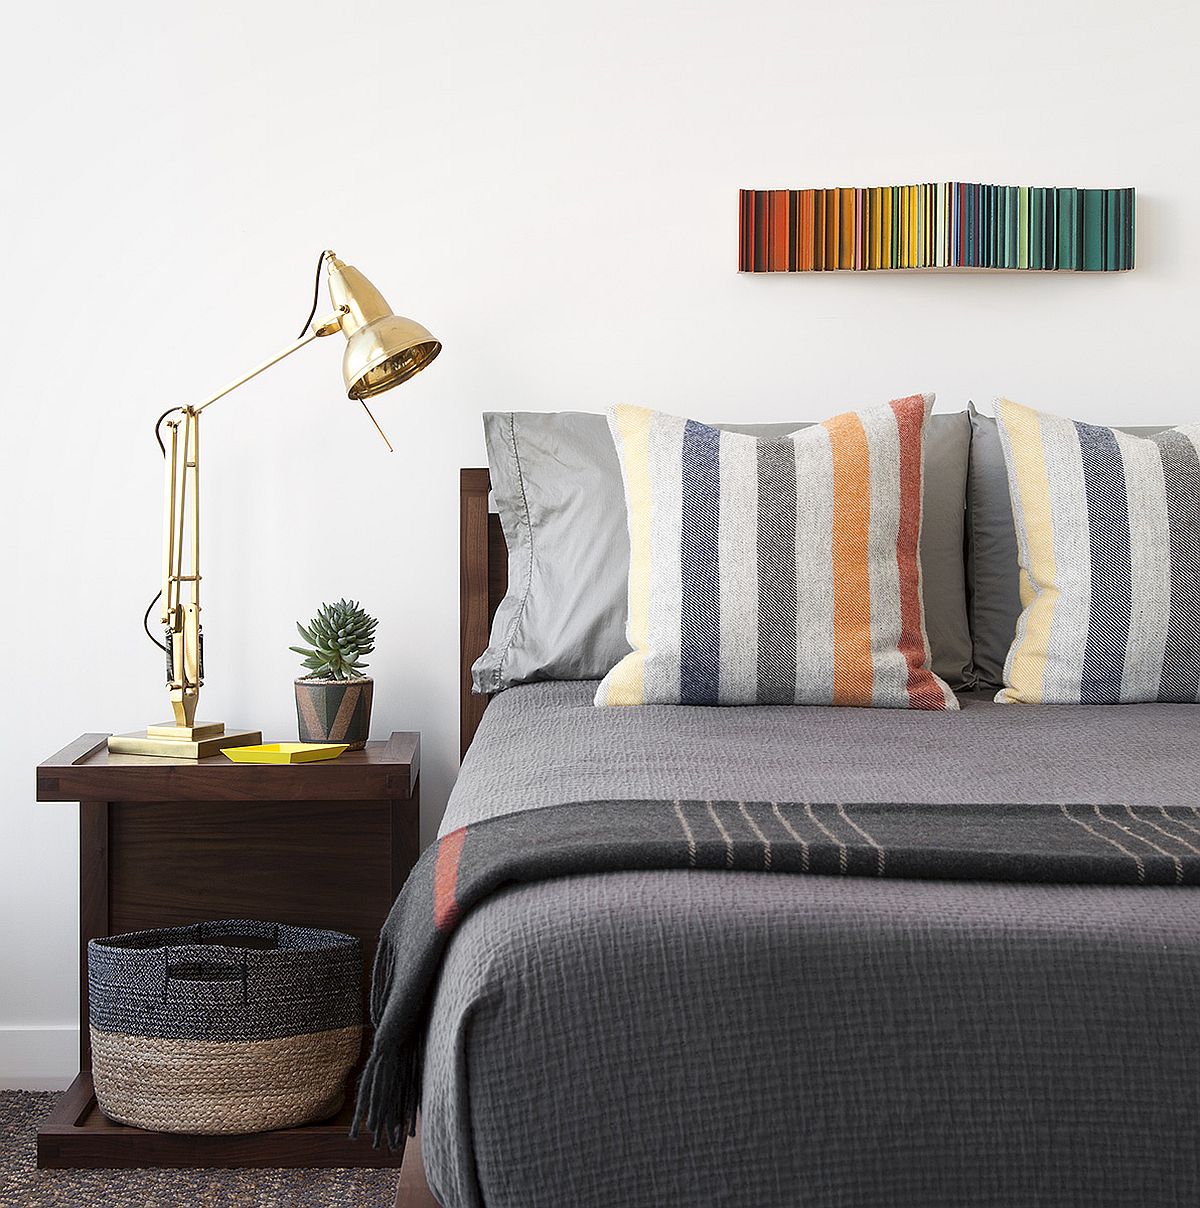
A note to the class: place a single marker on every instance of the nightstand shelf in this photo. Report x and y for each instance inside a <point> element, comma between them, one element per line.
<point>77,1134</point>
<point>165,842</point>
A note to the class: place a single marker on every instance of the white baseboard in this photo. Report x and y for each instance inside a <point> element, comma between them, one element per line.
<point>38,1059</point>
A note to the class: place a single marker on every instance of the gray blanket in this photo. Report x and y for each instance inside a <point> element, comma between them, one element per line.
<point>689,1038</point>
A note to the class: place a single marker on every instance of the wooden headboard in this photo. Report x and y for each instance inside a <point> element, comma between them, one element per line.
<point>482,582</point>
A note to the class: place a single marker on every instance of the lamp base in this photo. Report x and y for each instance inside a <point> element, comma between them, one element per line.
<point>166,741</point>
<point>168,729</point>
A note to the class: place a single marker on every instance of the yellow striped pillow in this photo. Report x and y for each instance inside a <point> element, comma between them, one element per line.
<point>1108,540</point>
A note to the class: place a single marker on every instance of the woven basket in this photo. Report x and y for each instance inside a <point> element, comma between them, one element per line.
<point>226,1027</point>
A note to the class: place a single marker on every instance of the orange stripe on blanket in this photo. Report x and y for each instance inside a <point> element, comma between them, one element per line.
<point>445,879</point>
<point>853,670</point>
<point>923,690</point>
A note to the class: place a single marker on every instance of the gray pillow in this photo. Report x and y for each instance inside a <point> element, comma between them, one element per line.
<point>556,483</point>
<point>993,579</point>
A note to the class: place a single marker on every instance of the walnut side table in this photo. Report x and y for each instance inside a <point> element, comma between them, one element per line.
<point>164,842</point>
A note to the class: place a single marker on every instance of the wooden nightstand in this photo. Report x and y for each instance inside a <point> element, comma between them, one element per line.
<point>164,842</point>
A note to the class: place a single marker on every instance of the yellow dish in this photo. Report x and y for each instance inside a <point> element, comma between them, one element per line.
<point>285,752</point>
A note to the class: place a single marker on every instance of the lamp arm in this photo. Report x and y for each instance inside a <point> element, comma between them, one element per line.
<point>326,328</point>
<point>181,538</point>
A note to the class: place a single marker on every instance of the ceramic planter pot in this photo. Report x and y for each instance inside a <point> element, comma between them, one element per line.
<point>329,710</point>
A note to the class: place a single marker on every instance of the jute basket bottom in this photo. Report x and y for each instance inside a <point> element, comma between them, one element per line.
<point>197,1086</point>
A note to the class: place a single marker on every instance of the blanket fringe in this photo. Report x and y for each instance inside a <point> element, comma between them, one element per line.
<point>389,1090</point>
<point>389,1094</point>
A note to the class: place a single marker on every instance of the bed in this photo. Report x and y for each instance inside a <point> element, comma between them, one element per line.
<point>697,1038</point>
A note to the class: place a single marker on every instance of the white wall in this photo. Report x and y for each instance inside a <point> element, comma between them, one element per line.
<point>551,187</point>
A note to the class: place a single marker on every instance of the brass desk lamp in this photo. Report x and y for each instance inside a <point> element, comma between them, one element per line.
<point>382,350</point>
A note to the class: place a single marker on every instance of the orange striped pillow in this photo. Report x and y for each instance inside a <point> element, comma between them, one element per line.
<point>775,571</point>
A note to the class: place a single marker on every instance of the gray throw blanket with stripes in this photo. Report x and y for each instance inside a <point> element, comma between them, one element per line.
<point>1051,843</point>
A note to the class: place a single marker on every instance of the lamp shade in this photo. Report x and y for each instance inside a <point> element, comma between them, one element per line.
<point>385,353</point>
<point>382,349</point>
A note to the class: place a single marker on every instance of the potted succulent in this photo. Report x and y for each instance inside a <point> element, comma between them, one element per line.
<point>333,701</point>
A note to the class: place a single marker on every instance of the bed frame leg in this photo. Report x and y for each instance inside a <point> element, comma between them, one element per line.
<point>413,1191</point>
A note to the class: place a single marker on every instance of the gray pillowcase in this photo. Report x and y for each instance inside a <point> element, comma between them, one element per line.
<point>993,577</point>
<point>556,484</point>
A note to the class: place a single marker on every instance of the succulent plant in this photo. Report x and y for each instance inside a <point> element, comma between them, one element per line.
<point>339,635</point>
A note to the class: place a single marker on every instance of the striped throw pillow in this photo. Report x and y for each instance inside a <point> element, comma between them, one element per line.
<point>775,571</point>
<point>1108,539</point>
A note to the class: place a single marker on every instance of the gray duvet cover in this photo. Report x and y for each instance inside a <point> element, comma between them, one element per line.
<point>692,1038</point>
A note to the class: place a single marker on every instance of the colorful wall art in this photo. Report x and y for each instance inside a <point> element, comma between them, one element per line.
<point>931,226</point>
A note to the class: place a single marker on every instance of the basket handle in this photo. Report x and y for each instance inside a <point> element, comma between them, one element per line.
<point>216,932</point>
<point>231,958</point>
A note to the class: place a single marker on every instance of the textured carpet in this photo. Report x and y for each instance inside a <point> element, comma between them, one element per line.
<point>22,1185</point>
